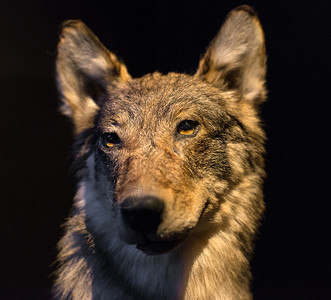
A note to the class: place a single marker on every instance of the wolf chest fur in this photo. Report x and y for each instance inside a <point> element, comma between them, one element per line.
<point>168,170</point>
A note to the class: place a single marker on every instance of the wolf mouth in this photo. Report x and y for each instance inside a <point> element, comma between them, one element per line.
<point>161,247</point>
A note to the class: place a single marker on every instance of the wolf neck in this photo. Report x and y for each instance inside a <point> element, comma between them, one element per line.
<point>206,267</point>
<point>200,270</point>
<point>216,268</point>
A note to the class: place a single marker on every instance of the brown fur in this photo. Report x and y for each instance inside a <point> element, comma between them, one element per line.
<point>209,182</point>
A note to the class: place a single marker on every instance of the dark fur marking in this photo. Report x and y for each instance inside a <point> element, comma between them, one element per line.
<point>246,8</point>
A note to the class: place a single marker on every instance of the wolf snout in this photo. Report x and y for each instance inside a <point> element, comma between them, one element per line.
<point>143,215</point>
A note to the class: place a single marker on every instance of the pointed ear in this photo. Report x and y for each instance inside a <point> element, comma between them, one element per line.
<point>84,69</point>
<point>236,57</point>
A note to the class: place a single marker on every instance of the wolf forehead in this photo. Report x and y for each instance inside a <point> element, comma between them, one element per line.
<point>156,97</point>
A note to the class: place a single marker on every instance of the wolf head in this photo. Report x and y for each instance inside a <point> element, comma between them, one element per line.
<point>163,157</point>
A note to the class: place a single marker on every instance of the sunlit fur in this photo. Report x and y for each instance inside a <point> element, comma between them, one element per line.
<point>210,182</point>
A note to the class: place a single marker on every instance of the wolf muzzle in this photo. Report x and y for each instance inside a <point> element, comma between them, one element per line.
<point>143,215</point>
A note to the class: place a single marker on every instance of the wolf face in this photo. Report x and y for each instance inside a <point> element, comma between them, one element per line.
<point>164,159</point>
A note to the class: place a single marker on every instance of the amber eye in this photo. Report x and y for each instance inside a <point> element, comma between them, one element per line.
<point>187,127</point>
<point>109,140</point>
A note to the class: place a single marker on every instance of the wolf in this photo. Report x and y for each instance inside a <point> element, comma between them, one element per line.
<point>168,169</point>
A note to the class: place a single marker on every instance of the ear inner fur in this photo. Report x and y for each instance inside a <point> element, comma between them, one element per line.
<point>84,70</point>
<point>236,57</point>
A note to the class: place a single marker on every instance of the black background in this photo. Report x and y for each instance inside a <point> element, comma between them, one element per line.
<point>292,254</point>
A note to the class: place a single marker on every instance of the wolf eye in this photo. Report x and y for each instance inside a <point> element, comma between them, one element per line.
<point>187,127</point>
<point>109,140</point>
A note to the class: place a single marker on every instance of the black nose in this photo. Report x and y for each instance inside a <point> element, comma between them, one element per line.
<point>142,214</point>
